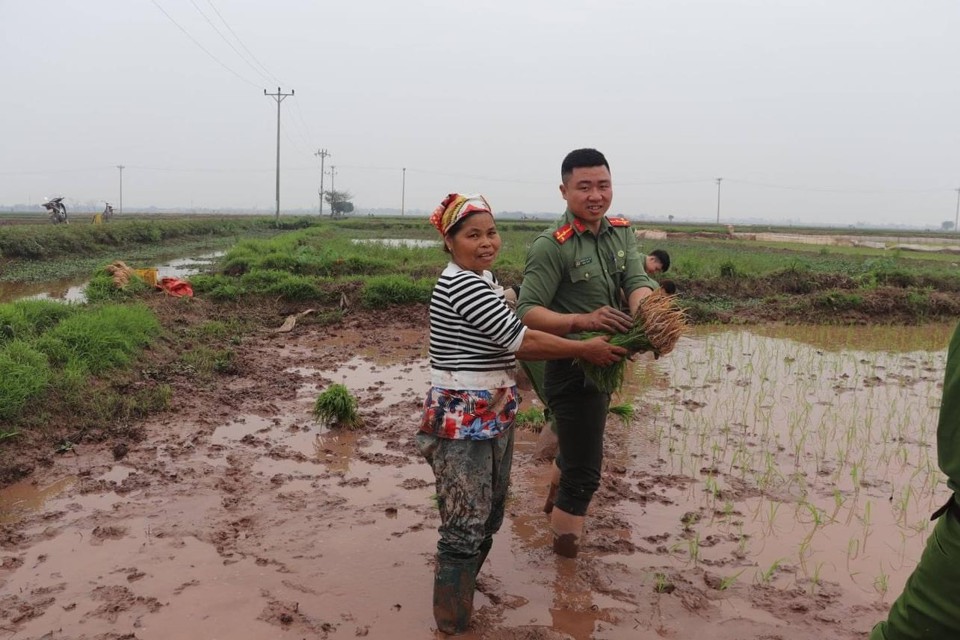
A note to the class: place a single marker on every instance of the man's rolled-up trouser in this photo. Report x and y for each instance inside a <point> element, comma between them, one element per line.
<point>472,481</point>
<point>580,411</point>
<point>929,606</point>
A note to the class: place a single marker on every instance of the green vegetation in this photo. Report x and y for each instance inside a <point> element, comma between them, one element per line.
<point>336,407</point>
<point>531,418</point>
<point>38,252</point>
<point>622,411</point>
<point>78,360</point>
<point>52,349</point>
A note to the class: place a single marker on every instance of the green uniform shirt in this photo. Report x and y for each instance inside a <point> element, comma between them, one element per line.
<point>948,428</point>
<point>569,270</point>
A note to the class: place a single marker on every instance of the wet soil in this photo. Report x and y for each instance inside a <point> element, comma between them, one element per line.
<point>234,515</point>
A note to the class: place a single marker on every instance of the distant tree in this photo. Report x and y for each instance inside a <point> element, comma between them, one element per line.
<point>670,217</point>
<point>339,202</point>
<point>946,225</point>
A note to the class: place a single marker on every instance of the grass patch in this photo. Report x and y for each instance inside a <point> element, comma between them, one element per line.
<point>206,363</point>
<point>384,291</point>
<point>26,374</point>
<point>101,339</point>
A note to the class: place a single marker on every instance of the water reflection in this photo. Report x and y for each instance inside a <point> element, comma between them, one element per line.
<point>23,497</point>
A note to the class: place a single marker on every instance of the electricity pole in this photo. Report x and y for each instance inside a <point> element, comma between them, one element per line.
<point>323,154</point>
<point>333,189</point>
<point>120,166</point>
<point>956,217</point>
<point>719,180</point>
<point>279,97</point>
<point>333,175</point>
<point>403,192</point>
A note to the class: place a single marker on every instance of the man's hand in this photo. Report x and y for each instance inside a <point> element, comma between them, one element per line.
<point>600,352</point>
<point>605,319</point>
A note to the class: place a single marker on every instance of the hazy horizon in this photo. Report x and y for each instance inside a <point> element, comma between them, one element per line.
<point>820,112</point>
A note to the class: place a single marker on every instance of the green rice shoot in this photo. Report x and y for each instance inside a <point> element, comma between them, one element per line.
<point>336,407</point>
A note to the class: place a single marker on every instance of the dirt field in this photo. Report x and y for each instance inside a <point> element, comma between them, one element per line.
<point>237,517</point>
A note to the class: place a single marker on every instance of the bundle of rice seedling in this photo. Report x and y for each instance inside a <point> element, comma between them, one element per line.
<point>337,408</point>
<point>657,327</point>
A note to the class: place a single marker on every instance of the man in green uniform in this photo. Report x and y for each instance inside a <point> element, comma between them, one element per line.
<point>929,606</point>
<point>572,283</point>
<point>654,263</point>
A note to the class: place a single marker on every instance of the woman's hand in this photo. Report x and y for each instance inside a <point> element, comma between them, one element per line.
<point>598,351</point>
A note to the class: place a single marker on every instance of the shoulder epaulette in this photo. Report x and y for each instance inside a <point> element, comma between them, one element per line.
<point>563,234</point>
<point>618,222</point>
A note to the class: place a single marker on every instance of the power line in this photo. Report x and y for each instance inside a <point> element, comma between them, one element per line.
<point>229,44</point>
<point>219,15</point>
<point>202,48</point>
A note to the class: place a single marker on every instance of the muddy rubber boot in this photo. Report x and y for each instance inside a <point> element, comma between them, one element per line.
<point>453,586</point>
<point>552,489</point>
<point>567,531</point>
<point>484,552</point>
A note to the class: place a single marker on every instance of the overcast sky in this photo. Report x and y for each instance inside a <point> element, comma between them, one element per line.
<point>814,111</point>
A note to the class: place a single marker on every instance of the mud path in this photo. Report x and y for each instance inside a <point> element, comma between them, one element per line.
<point>238,517</point>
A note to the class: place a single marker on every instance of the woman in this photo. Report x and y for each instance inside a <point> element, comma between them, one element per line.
<point>466,433</point>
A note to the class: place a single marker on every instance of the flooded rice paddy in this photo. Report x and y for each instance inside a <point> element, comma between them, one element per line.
<point>808,455</point>
<point>773,482</point>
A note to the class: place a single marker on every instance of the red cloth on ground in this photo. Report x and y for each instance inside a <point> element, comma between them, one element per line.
<point>175,287</point>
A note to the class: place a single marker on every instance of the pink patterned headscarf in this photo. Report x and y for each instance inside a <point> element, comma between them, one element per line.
<point>455,207</point>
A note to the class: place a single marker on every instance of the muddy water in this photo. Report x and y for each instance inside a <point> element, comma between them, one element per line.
<point>770,485</point>
<point>71,289</point>
<point>807,455</point>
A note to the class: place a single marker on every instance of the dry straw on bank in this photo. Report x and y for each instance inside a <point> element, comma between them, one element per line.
<point>657,326</point>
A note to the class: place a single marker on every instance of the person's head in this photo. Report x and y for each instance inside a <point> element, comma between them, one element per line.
<point>657,261</point>
<point>468,229</point>
<point>586,185</point>
<point>669,287</point>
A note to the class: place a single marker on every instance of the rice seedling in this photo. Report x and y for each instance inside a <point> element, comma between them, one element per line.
<point>532,418</point>
<point>337,407</point>
<point>881,583</point>
<point>657,326</point>
<point>767,574</point>
<point>729,581</point>
<point>622,411</point>
<point>662,584</point>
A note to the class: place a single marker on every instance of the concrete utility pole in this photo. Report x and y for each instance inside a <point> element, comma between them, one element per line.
<point>120,166</point>
<point>719,180</point>
<point>279,97</point>
<point>333,176</point>
<point>956,217</point>
<point>323,154</point>
<point>403,192</point>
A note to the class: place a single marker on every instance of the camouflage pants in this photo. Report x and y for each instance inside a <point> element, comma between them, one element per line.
<point>472,481</point>
<point>928,607</point>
